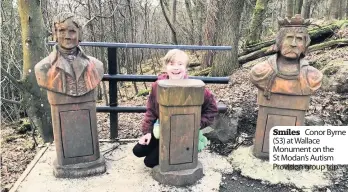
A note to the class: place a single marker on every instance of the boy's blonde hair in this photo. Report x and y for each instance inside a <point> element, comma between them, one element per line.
<point>171,54</point>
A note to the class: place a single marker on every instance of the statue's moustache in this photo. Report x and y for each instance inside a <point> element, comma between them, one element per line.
<point>289,50</point>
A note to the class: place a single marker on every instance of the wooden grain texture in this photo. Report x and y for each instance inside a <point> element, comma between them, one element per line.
<point>268,117</point>
<point>180,114</point>
<point>81,148</point>
<point>77,138</point>
<point>182,92</point>
<point>275,120</point>
<point>296,102</point>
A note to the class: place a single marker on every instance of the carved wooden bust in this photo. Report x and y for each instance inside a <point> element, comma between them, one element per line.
<point>68,70</point>
<point>70,77</point>
<point>287,72</point>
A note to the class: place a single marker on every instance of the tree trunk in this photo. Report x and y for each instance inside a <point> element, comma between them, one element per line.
<point>173,18</point>
<point>298,6</point>
<point>289,8</point>
<point>200,17</point>
<point>171,25</point>
<point>344,4</point>
<point>134,68</point>
<point>192,26</point>
<point>229,15</point>
<point>33,45</point>
<point>347,9</point>
<point>210,32</point>
<point>306,7</point>
<point>334,9</point>
<point>255,29</point>
<point>102,53</point>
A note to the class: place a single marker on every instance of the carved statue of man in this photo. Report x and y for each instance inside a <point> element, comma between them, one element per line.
<point>70,77</point>
<point>287,72</point>
<point>68,70</point>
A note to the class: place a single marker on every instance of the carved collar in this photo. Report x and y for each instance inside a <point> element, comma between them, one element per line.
<point>74,68</point>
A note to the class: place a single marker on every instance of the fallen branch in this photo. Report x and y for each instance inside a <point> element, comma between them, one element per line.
<point>337,42</point>
<point>267,50</point>
<point>255,55</point>
<point>317,35</point>
<point>256,47</point>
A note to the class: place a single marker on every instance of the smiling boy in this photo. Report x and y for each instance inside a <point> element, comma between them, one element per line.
<point>175,67</point>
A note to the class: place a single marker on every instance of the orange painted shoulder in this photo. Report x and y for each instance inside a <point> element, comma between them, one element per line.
<point>260,71</point>
<point>96,65</point>
<point>314,78</point>
<point>41,69</point>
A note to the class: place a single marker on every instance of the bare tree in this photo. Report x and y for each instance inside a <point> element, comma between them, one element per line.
<point>344,9</point>
<point>33,44</point>
<point>134,68</point>
<point>199,15</point>
<point>306,7</point>
<point>333,12</point>
<point>255,28</point>
<point>172,22</point>
<point>192,26</point>
<point>210,31</point>
<point>289,8</point>
<point>229,15</point>
<point>102,51</point>
<point>11,58</point>
<point>298,6</point>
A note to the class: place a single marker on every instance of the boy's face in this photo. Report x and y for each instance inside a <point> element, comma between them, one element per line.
<point>176,68</point>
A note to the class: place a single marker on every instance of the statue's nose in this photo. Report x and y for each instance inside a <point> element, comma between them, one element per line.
<point>293,42</point>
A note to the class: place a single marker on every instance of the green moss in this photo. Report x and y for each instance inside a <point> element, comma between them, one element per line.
<point>146,69</point>
<point>203,72</point>
<point>332,70</point>
<point>332,67</point>
<point>24,127</point>
<point>332,26</point>
<point>143,92</point>
<point>11,138</point>
<point>28,145</point>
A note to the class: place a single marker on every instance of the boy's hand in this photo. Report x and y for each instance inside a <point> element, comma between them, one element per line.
<point>145,139</point>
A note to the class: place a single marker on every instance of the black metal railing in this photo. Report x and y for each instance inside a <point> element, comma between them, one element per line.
<point>113,77</point>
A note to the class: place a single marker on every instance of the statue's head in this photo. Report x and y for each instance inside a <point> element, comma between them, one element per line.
<point>67,30</point>
<point>293,39</point>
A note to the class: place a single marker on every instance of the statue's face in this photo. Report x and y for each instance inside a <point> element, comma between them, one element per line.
<point>67,34</point>
<point>293,45</point>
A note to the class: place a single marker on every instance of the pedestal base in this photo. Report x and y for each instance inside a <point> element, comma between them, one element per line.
<point>178,178</point>
<point>255,153</point>
<point>80,169</point>
<point>280,110</point>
